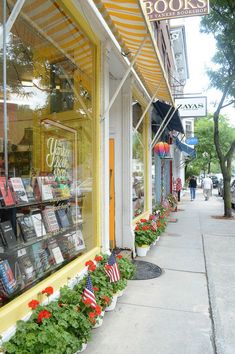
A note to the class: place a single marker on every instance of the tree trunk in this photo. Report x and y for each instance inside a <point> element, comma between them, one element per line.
<point>227,197</point>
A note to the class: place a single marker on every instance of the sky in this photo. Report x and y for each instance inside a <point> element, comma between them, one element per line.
<point>200,50</point>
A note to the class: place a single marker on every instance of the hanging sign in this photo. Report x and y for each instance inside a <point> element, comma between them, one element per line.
<point>165,9</point>
<point>192,106</point>
<point>192,141</point>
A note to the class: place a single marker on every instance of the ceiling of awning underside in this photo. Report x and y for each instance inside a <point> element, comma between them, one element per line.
<point>127,22</point>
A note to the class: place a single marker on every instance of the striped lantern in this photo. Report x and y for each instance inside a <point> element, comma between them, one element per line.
<point>162,149</point>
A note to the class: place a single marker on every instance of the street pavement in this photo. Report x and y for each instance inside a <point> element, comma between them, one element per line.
<point>190,308</point>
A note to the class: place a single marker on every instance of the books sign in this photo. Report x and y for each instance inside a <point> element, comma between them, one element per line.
<point>192,106</point>
<point>165,9</point>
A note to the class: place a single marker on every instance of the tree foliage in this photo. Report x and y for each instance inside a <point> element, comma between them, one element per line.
<point>221,23</point>
<point>207,159</point>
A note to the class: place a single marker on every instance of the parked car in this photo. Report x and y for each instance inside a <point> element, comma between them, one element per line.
<point>215,181</point>
<point>221,187</point>
<point>232,189</point>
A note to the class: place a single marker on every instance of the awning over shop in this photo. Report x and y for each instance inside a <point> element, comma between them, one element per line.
<point>185,148</point>
<point>128,24</point>
<point>175,122</point>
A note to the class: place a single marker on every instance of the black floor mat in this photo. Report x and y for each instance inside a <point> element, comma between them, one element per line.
<point>146,270</point>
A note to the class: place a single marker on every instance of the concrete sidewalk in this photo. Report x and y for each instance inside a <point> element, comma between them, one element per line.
<point>172,314</point>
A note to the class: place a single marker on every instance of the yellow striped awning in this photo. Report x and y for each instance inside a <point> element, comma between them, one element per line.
<point>129,25</point>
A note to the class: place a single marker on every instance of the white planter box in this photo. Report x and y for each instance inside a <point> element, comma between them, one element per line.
<point>142,251</point>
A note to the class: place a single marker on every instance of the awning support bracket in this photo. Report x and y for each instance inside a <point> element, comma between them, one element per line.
<point>146,109</point>
<point>124,78</point>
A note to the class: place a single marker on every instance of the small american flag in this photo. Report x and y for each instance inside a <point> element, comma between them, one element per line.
<point>88,292</point>
<point>112,269</point>
<point>154,225</point>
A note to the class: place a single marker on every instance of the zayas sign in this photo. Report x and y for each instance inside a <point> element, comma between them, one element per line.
<point>165,9</point>
<point>192,106</point>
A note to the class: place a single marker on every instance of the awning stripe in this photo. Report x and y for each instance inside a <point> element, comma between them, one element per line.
<point>126,20</point>
<point>54,23</point>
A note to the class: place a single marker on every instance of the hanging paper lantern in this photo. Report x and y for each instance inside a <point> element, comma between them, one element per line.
<point>162,149</point>
<point>167,148</point>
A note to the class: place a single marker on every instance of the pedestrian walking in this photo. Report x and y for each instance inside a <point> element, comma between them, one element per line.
<point>178,187</point>
<point>207,186</point>
<point>192,187</point>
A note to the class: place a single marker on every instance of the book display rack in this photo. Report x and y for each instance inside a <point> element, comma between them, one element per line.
<point>40,231</point>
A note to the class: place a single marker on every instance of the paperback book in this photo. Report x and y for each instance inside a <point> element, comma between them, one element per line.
<point>78,240</point>
<point>67,245</point>
<point>62,218</point>
<point>8,234</point>
<point>55,252</point>
<point>50,219</point>
<point>18,190</point>
<point>5,193</point>
<point>27,182</point>
<point>7,278</point>
<point>38,224</point>
<point>40,257</point>
<point>26,227</point>
<point>45,188</point>
<point>26,268</point>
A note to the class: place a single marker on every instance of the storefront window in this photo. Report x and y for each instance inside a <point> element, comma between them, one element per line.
<point>46,199</point>
<point>138,177</point>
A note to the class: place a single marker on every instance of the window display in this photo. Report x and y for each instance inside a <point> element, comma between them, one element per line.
<point>47,189</point>
<point>138,161</point>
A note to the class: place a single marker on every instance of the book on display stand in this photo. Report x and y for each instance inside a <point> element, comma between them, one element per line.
<point>7,197</point>
<point>18,190</point>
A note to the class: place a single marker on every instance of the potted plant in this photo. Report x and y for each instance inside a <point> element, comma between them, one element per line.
<point>142,241</point>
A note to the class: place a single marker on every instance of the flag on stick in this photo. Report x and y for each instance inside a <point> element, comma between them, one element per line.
<point>112,270</point>
<point>88,292</point>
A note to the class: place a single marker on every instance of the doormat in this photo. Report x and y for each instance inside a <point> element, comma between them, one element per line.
<point>172,220</point>
<point>146,270</point>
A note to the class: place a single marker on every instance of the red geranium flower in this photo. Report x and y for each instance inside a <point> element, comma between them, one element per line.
<point>43,314</point>
<point>95,288</point>
<point>87,301</point>
<point>92,315</point>
<point>92,268</point>
<point>98,310</point>
<point>98,258</point>
<point>143,220</point>
<point>106,299</point>
<point>33,304</point>
<point>89,263</point>
<point>151,217</point>
<point>48,291</point>
<point>159,224</point>
<point>137,228</point>
<point>119,256</point>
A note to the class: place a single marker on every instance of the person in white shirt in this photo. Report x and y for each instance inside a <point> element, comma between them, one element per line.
<point>207,187</point>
